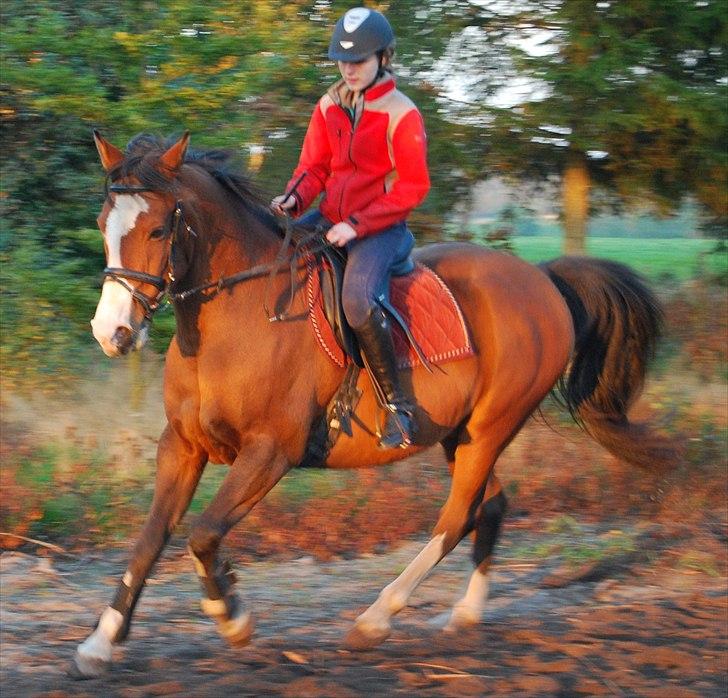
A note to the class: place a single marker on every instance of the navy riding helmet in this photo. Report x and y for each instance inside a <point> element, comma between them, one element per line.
<point>360,33</point>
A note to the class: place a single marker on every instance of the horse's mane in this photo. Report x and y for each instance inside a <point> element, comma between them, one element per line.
<point>142,156</point>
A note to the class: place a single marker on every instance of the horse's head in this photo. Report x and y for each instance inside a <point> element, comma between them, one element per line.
<point>138,222</point>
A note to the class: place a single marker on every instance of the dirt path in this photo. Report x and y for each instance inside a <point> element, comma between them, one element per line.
<point>625,625</point>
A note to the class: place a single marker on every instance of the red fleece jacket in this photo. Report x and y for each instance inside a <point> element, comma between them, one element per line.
<point>372,168</point>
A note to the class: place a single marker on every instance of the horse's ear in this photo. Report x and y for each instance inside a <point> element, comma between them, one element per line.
<point>174,156</point>
<point>110,155</point>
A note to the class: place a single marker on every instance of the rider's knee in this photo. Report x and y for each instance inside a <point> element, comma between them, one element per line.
<point>358,308</point>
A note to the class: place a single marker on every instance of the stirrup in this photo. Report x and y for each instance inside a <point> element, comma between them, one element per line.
<point>399,428</point>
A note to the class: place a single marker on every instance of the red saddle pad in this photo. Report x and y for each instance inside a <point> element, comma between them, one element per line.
<point>427,306</point>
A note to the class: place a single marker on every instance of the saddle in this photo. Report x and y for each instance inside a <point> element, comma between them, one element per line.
<point>428,327</point>
<point>331,278</point>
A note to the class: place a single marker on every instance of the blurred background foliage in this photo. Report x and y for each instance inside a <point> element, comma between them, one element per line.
<point>617,104</point>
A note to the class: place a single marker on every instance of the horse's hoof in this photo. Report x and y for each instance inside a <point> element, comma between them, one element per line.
<point>461,619</point>
<point>238,631</point>
<point>359,639</point>
<point>87,667</point>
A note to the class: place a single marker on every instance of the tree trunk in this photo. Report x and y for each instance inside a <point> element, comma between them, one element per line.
<point>575,202</point>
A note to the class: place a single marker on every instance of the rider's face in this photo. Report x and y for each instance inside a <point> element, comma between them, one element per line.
<point>359,75</point>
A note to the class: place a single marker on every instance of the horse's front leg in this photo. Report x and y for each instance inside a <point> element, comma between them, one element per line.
<point>258,467</point>
<point>179,467</point>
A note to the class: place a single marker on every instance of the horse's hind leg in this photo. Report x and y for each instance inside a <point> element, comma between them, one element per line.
<point>473,463</point>
<point>255,471</point>
<point>469,609</point>
<point>179,467</point>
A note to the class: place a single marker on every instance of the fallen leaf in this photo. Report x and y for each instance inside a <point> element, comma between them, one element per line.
<point>295,657</point>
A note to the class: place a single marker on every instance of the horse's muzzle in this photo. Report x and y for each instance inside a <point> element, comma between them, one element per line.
<point>123,340</point>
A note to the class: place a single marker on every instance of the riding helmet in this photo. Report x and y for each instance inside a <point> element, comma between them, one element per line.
<point>360,33</point>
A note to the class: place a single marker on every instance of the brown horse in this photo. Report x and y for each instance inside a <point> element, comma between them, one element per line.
<point>241,390</point>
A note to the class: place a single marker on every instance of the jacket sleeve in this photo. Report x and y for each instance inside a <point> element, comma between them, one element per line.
<point>314,163</point>
<point>412,182</point>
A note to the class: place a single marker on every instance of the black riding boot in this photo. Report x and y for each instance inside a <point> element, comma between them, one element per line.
<point>375,340</point>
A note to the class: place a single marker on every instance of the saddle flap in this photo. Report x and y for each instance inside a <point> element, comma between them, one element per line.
<point>331,278</point>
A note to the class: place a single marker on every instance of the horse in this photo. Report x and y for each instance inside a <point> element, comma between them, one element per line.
<point>246,392</point>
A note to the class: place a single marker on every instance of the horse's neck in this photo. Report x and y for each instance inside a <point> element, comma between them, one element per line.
<point>236,239</point>
<point>224,245</point>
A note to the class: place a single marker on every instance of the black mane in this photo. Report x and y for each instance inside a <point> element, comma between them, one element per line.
<point>142,155</point>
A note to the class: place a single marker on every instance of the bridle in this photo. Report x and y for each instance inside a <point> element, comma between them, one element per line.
<point>303,248</point>
<point>150,304</point>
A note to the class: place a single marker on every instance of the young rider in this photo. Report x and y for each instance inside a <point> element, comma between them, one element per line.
<point>365,149</point>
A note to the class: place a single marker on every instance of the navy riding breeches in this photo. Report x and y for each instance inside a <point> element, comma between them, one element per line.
<point>370,260</point>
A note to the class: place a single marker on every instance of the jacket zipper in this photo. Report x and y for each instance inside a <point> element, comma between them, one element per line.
<point>351,158</point>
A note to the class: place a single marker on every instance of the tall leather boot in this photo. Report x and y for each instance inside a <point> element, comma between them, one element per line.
<point>375,340</point>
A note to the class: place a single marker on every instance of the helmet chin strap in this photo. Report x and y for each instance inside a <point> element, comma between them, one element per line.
<point>380,71</point>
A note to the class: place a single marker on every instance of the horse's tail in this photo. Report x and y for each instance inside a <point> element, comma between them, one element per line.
<point>617,322</point>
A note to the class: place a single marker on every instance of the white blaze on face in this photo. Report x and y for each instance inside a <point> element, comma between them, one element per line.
<point>114,308</point>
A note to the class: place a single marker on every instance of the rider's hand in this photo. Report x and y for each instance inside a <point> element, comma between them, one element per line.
<point>282,204</point>
<point>340,234</point>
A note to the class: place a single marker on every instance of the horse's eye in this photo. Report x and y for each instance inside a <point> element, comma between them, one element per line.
<point>157,234</point>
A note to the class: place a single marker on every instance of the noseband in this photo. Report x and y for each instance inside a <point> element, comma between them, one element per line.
<point>150,304</point>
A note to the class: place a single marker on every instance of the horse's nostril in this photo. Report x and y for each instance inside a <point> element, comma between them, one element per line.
<point>122,338</point>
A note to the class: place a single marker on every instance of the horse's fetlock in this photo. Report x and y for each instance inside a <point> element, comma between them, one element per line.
<point>394,600</point>
<point>123,632</point>
<point>465,613</point>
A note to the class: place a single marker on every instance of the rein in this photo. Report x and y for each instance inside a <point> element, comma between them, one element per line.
<point>302,248</point>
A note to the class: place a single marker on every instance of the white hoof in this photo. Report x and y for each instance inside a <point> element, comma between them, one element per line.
<point>86,666</point>
<point>93,655</point>
<point>238,630</point>
<point>364,636</point>
<point>462,617</point>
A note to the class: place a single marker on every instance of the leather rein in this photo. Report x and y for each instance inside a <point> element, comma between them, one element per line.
<point>150,304</point>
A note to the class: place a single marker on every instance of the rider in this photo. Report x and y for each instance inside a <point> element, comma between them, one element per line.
<point>365,149</point>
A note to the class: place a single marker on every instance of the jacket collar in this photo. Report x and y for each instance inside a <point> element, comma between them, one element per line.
<point>380,88</point>
<point>343,96</point>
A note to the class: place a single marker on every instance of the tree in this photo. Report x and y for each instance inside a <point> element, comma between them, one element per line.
<point>627,97</point>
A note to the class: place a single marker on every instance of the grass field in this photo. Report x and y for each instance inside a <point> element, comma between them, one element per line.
<point>677,259</point>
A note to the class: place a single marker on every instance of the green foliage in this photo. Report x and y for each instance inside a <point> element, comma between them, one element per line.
<point>701,562</point>
<point>63,492</point>
<point>566,542</point>
<point>636,79</point>
<point>564,524</point>
<point>48,298</point>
